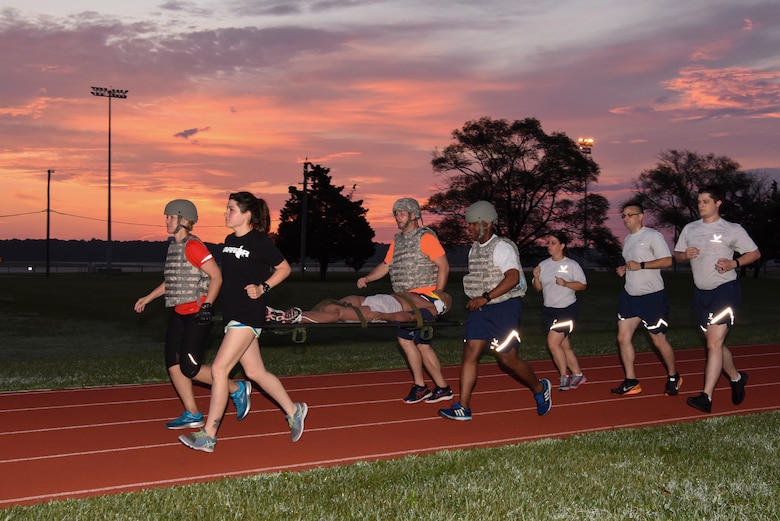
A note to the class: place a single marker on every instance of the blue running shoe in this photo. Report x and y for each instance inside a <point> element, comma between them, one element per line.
<point>544,398</point>
<point>440,394</point>
<point>456,412</point>
<point>199,440</point>
<point>417,394</point>
<point>241,398</point>
<point>296,421</point>
<point>187,421</point>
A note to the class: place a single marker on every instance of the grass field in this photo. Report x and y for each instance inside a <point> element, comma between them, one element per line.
<point>80,330</point>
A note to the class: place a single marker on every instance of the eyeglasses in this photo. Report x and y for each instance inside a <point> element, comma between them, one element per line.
<point>624,215</point>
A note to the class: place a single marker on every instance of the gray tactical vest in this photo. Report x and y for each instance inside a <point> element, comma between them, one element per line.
<point>484,276</point>
<point>410,267</point>
<point>183,282</point>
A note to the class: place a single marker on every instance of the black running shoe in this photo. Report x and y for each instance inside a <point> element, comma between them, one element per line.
<point>673,384</point>
<point>440,394</point>
<point>627,388</point>
<point>738,389</point>
<point>701,402</point>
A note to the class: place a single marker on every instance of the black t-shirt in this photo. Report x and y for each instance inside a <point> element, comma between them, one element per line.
<point>249,259</point>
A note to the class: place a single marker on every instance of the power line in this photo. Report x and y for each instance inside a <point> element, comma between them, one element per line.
<point>92,219</point>
<point>20,214</point>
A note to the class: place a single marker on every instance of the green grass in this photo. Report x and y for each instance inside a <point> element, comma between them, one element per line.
<point>80,330</point>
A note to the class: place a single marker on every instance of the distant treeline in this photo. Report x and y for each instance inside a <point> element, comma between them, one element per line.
<point>94,250</point>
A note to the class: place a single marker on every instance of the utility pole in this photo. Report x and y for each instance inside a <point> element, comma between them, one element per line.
<point>304,216</point>
<point>48,218</point>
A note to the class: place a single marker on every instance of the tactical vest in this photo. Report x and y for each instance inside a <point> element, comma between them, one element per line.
<point>410,267</point>
<point>183,282</point>
<point>484,276</point>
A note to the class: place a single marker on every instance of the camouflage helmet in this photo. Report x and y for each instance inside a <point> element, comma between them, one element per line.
<point>407,204</point>
<point>182,208</point>
<point>481,211</point>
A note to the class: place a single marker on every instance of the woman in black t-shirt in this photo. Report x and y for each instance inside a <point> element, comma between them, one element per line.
<point>251,266</point>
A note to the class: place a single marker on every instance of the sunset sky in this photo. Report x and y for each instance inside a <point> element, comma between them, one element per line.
<point>230,95</point>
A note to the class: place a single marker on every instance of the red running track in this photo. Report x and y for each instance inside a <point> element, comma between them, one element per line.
<point>75,443</point>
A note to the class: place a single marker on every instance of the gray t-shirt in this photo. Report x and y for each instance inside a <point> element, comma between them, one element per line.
<point>556,296</point>
<point>644,246</point>
<point>715,240</point>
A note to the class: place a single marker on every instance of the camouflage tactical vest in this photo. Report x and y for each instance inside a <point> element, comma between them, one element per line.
<point>410,267</point>
<point>484,276</point>
<point>183,282</point>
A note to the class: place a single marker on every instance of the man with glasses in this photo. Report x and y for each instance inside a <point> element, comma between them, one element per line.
<point>643,299</point>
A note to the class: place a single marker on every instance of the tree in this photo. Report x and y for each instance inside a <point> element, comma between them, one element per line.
<point>763,220</point>
<point>534,180</point>
<point>336,225</point>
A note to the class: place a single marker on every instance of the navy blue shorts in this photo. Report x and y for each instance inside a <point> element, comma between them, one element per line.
<point>652,309</point>
<point>717,306</point>
<point>497,324</point>
<point>561,320</point>
<point>414,334</point>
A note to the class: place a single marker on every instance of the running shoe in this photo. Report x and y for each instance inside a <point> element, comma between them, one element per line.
<point>199,440</point>
<point>187,421</point>
<point>456,412</point>
<point>701,402</point>
<point>627,388</point>
<point>417,394</point>
<point>439,394</point>
<point>673,384</point>
<point>296,421</point>
<point>543,398</point>
<point>565,383</point>
<point>577,380</point>
<point>273,314</point>
<point>292,316</point>
<point>241,397</point>
<point>738,389</point>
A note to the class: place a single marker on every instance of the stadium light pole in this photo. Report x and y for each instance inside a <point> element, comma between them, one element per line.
<point>110,93</point>
<point>586,148</point>
<point>49,172</point>
<point>304,215</point>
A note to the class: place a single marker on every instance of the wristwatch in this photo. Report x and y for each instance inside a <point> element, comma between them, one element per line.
<point>266,287</point>
<point>486,296</point>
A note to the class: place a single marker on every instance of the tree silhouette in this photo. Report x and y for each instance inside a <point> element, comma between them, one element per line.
<point>535,180</point>
<point>336,226</point>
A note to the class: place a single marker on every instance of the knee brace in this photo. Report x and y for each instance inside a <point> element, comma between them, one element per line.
<point>189,366</point>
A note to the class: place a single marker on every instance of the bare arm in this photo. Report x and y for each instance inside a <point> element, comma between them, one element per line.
<point>281,272</point>
<point>510,280</point>
<point>535,282</point>
<point>211,269</point>
<point>443,273</point>
<point>571,284</point>
<point>377,273</point>
<point>141,303</point>
<point>655,264</point>
<point>733,264</point>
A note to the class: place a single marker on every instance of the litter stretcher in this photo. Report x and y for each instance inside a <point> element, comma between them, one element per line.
<point>299,329</point>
